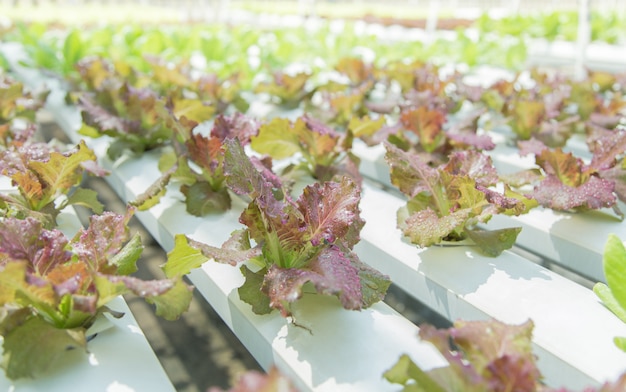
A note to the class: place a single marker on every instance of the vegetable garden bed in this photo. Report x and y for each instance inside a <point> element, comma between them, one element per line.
<point>574,331</point>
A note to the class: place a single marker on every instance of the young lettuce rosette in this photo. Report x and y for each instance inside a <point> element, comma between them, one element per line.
<point>450,202</point>
<point>288,243</point>
<point>482,356</point>
<point>47,180</point>
<point>53,288</point>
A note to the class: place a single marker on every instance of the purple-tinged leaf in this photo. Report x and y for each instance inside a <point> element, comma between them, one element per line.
<point>331,273</point>
<point>331,211</point>
<point>473,164</point>
<point>617,175</point>
<point>596,193</point>
<point>27,240</point>
<point>98,117</point>
<point>469,139</point>
<point>607,149</point>
<point>426,228</point>
<point>409,173</point>
<point>236,125</point>
<point>531,147</point>
<point>244,178</point>
<point>104,238</point>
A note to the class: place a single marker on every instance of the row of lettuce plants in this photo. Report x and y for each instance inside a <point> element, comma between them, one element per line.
<point>606,27</point>
<point>248,49</point>
<point>54,286</point>
<point>408,107</point>
<point>308,238</point>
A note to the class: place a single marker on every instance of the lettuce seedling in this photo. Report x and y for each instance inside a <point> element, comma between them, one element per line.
<point>613,295</point>
<point>566,183</point>
<point>132,117</point>
<point>318,149</point>
<point>287,91</point>
<point>47,180</point>
<point>53,288</point>
<point>482,356</point>
<point>288,243</point>
<point>198,164</point>
<point>429,133</point>
<point>17,103</point>
<point>446,203</point>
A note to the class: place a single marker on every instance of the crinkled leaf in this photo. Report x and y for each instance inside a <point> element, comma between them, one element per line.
<point>427,125</point>
<point>607,149</point>
<point>236,125</point>
<point>244,177</point>
<point>484,342</point>
<point>567,168</point>
<point>410,174</point>
<point>105,236</point>
<point>426,228</point>
<point>374,284</point>
<point>277,138</point>
<point>205,152</point>
<point>15,289</point>
<point>494,242</point>
<point>473,164</point>
<point>331,274</point>
<point>31,348</point>
<point>331,212</point>
<point>26,240</point>
<point>595,193</point>
<point>485,355</point>
<point>189,254</point>
<point>63,171</point>
<point>99,121</point>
